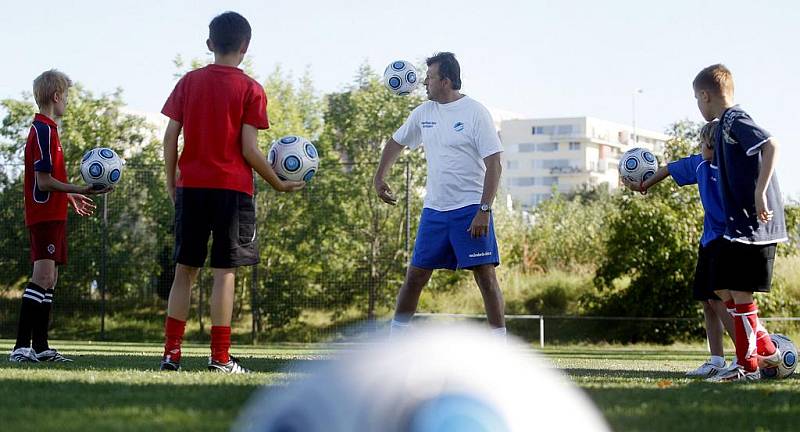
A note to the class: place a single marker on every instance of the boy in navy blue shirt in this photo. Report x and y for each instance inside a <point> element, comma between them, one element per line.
<point>696,169</point>
<point>745,155</point>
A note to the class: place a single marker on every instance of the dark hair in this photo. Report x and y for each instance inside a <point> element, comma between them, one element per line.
<point>716,79</point>
<point>448,67</point>
<point>228,31</point>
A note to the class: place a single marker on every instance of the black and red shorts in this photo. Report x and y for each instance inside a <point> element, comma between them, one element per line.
<point>49,241</point>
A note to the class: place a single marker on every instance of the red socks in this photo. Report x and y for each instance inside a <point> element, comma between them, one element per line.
<point>220,343</point>
<point>173,330</point>
<point>751,337</point>
<point>173,336</point>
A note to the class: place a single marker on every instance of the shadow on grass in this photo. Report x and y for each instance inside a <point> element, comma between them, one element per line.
<point>151,363</point>
<point>700,406</point>
<point>633,374</point>
<point>66,406</point>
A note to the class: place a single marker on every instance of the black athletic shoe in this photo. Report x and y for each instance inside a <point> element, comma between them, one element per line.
<point>168,365</point>
<point>231,367</point>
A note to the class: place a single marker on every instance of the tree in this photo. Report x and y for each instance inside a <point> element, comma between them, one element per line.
<point>138,212</point>
<point>653,241</point>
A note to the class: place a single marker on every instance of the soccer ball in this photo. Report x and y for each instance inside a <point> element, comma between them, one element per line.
<point>400,77</point>
<point>788,358</point>
<point>637,165</point>
<point>293,158</point>
<point>101,168</point>
<point>446,378</point>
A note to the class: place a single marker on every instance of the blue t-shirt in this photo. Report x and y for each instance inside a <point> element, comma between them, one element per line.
<point>694,170</point>
<point>737,153</point>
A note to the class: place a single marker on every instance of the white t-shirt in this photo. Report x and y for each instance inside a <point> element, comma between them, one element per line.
<point>457,136</point>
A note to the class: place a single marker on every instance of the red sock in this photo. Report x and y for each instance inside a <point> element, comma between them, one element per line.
<point>173,336</point>
<point>220,343</point>
<point>745,320</point>
<point>731,306</point>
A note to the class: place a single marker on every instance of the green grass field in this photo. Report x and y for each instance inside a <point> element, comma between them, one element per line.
<point>116,387</point>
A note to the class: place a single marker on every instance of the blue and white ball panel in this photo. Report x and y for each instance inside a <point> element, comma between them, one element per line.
<point>443,241</point>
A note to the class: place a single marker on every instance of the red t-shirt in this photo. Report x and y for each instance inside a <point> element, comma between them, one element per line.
<point>43,153</point>
<point>212,104</point>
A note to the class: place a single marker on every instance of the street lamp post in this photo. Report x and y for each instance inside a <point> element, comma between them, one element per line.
<point>633,109</point>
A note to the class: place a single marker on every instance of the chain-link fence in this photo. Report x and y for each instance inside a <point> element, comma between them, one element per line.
<point>332,259</point>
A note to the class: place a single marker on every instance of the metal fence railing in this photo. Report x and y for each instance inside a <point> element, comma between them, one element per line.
<point>331,256</point>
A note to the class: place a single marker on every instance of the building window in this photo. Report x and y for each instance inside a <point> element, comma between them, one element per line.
<point>523,181</point>
<point>564,130</point>
<point>574,145</point>
<point>546,181</point>
<point>554,130</point>
<point>526,147</point>
<point>512,164</point>
<point>547,147</point>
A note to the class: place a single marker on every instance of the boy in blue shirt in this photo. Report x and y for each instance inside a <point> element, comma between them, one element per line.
<point>754,220</point>
<point>697,169</point>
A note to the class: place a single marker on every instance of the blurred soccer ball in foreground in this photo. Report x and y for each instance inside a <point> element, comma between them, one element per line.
<point>637,165</point>
<point>454,379</point>
<point>788,358</point>
<point>101,168</point>
<point>400,77</point>
<point>293,158</point>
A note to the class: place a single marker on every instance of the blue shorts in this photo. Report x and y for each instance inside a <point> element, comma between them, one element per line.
<point>443,241</point>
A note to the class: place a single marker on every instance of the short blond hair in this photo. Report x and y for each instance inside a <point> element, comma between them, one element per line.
<point>46,85</point>
<point>707,133</point>
<point>716,79</point>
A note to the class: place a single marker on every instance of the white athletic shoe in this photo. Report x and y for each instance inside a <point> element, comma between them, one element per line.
<point>51,355</point>
<point>706,370</point>
<point>737,374</point>
<point>22,355</point>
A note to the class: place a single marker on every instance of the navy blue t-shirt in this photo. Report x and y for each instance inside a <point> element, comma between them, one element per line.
<point>737,154</point>
<point>694,170</point>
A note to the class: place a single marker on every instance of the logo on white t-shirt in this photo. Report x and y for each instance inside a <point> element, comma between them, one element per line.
<point>428,124</point>
<point>458,127</point>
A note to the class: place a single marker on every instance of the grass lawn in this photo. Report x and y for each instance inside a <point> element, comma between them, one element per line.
<point>116,387</point>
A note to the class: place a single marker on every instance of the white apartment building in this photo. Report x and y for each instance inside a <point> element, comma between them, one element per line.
<point>543,155</point>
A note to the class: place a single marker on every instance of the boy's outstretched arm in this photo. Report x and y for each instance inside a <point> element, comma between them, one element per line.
<point>769,155</point>
<point>171,155</point>
<point>661,174</point>
<point>256,159</point>
<point>46,183</point>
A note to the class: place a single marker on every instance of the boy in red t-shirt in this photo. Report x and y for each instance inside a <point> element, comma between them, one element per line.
<point>220,109</point>
<point>47,193</point>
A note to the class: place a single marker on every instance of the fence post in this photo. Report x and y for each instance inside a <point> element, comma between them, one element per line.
<point>254,281</point>
<point>541,331</point>
<point>103,268</point>
<point>408,208</point>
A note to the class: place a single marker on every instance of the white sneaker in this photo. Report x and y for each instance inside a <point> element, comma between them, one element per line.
<point>706,370</point>
<point>22,355</point>
<point>736,374</point>
<point>51,355</point>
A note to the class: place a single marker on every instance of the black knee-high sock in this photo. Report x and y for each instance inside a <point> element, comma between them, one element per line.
<point>32,299</point>
<point>42,323</point>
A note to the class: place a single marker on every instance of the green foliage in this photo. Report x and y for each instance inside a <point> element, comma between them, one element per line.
<point>570,231</point>
<point>653,241</point>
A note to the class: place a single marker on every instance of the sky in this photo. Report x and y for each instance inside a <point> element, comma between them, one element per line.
<point>537,58</point>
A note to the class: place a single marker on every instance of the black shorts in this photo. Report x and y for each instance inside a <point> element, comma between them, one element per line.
<point>747,267</point>
<point>229,215</point>
<point>707,272</point>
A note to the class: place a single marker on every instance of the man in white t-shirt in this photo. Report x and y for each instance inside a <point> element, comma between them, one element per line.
<point>463,151</point>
